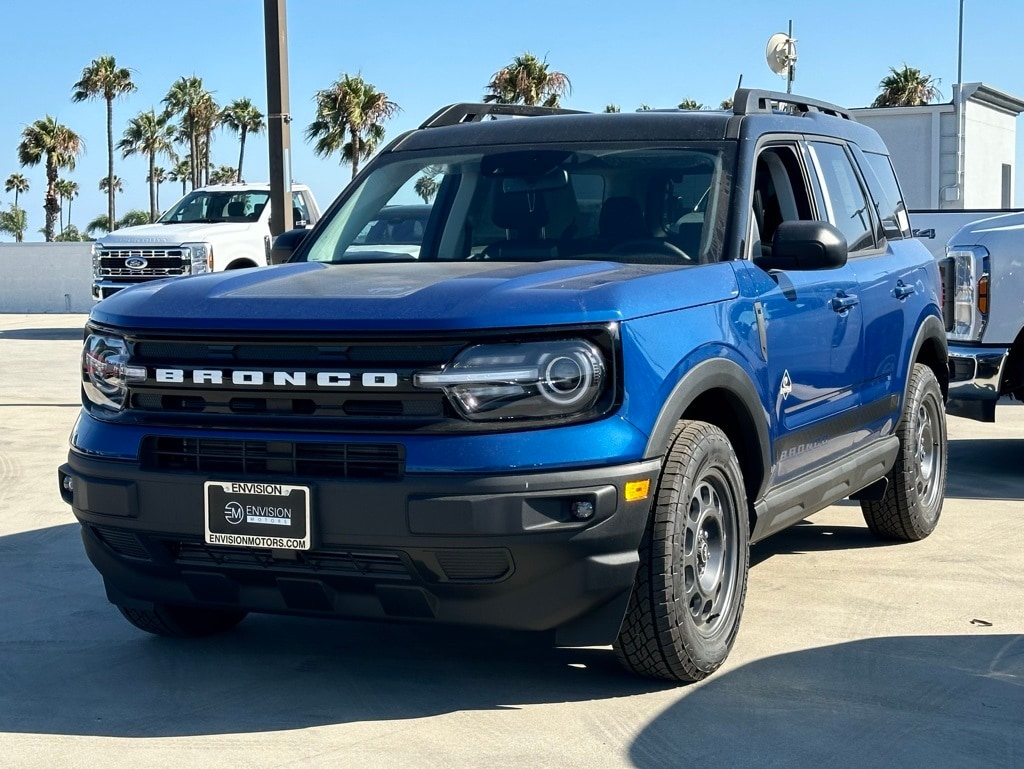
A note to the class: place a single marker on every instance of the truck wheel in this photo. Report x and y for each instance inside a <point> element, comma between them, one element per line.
<point>684,612</point>
<point>182,621</point>
<point>910,508</point>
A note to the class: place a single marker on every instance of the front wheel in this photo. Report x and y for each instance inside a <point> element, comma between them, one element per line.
<point>685,609</point>
<point>910,509</point>
<point>181,621</point>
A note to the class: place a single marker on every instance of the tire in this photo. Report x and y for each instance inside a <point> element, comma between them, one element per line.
<point>910,509</point>
<point>181,621</point>
<point>684,612</point>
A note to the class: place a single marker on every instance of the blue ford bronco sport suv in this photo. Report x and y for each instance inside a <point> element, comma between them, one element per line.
<point>628,346</point>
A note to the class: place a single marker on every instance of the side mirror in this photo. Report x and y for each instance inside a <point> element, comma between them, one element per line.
<point>802,245</point>
<point>285,244</point>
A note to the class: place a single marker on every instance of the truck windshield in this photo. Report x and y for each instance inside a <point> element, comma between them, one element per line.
<point>651,206</point>
<point>217,206</point>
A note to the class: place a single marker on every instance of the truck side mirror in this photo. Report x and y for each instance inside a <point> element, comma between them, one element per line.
<point>804,245</point>
<point>285,244</point>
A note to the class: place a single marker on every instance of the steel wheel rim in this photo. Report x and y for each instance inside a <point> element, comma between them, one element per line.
<point>708,553</point>
<point>927,455</point>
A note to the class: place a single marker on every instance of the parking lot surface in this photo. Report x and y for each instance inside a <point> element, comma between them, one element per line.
<point>852,652</point>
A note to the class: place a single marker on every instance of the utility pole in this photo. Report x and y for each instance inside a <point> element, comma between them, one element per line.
<point>275,30</point>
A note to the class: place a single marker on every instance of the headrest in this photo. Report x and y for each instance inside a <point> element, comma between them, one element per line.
<point>519,210</point>
<point>621,218</point>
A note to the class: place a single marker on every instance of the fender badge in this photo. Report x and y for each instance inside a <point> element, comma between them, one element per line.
<point>786,387</point>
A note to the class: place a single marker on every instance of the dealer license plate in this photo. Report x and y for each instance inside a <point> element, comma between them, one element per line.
<point>273,515</point>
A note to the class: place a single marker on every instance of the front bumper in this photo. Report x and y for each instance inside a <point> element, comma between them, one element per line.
<point>498,550</point>
<point>101,289</point>
<point>975,381</point>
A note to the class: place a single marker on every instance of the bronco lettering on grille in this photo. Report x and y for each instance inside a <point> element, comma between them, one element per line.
<point>384,379</point>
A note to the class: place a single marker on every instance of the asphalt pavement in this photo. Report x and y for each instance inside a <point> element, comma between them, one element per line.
<point>852,653</point>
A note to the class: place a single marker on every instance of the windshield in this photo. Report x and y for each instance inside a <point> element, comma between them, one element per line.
<point>217,206</point>
<point>651,206</point>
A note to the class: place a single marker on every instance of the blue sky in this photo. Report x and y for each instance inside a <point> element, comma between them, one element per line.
<point>427,54</point>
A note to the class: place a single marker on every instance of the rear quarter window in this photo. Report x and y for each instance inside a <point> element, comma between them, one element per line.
<point>885,190</point>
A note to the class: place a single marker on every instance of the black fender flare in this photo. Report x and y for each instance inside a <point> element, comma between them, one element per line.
<point>715,374</point>
<point>930,330</point>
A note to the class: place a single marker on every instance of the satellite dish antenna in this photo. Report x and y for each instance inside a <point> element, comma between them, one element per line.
<point>781,56</point>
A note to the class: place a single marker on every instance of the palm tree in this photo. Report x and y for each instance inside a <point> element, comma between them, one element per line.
<point>242,117</point>
<point>726,103</point>
<point>690,104</point>
<point>611,108</point>
<point>148,134</point>
<point>349,117</point>
<point>15,222</point>
<point>223,175</point>
<point>426,185</point>
<point>60,146</point>
<point>16,183</point>
<point>103,78</point>
<point>190,100</point>
<point>207,115</point>
<point>160,176</point>
<point>134,218</point>
<point>181,172</point>
<point>105,184</point>
<point>66,190</point>
<point>100,224</point>
<point>906,87</point>
<point>527,80</point>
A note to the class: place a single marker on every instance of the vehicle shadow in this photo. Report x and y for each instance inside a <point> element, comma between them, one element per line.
<point>73,666</point>
<point>811,536</point>
<point>42,334</point>
<point>904,701</point>
<point>986,468</point>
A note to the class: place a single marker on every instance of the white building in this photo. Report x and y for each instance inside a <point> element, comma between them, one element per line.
<point>941,167</point>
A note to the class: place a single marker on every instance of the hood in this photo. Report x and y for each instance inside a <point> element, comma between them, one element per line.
<point>176,234</point>
<point>414,297</point>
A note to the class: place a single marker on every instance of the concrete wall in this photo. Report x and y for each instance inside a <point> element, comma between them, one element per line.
<point>45,277</point>
<point>923,144</point>
<point>989,142</point>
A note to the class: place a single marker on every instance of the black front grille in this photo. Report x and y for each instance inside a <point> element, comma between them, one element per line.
<point>380,461</point>
<point>356,563</point>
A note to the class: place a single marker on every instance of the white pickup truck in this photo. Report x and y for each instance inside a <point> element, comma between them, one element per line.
<point>982,264</point>
<point>219,227</point>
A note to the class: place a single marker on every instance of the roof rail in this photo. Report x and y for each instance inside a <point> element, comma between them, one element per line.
<point>750,100</point>
<point>467,112</point>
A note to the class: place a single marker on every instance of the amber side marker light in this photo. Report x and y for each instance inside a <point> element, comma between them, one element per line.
<point>637,490</point>
<point>983,295</point>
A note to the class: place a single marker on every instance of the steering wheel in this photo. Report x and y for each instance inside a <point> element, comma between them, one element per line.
<point>652,245</point>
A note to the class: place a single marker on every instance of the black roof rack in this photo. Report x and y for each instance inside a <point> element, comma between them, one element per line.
<point>750,100</point>
<point>466,112</point>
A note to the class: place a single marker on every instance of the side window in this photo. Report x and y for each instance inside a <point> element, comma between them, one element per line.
<point>300,213</point>
<point>845,203</point>
<point>885,191</point>
<point>780,195</point>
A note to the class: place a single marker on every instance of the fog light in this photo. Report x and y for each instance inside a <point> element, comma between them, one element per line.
<point>68,483</point>
<point>582,511</point>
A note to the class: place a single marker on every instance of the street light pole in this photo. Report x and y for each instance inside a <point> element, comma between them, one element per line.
<point>279,136</point>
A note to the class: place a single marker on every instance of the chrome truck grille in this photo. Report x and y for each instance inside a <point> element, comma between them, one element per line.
<point>142,262</point>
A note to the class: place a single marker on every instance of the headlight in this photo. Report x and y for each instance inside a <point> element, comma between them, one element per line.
<point>531,380</point>
<point>970,292</point>
<point>201,255</point>
<point>105,370</point>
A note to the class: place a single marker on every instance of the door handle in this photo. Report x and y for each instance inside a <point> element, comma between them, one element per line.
<point>902,290</point>
<point>843,302</point>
